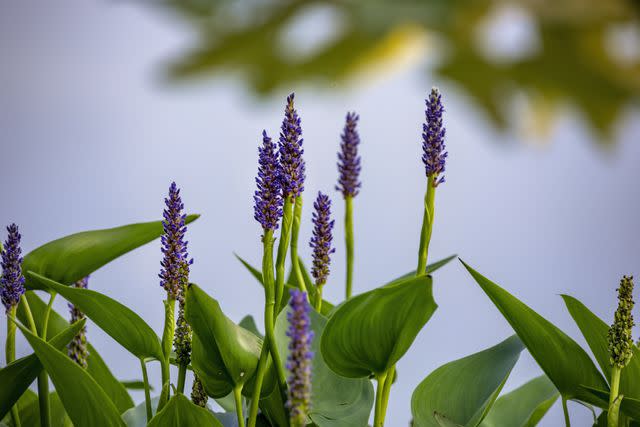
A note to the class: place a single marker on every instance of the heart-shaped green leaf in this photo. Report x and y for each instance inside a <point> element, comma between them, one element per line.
<point>78,391</point>
<point>225,355</point>
<point>335,400</point>
<point>463,391</point>
<point>17,376</point>
<point>96,366</point>
<point>524,406</point>
<point>71,258</point>
<point>595,333</point>
<point>566,364</point>
<point>370,332</point>
<point>118,321</point>
<point>181,412</point>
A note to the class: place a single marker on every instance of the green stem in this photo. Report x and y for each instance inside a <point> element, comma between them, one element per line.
<point>237,394</point>
<point>257,387</point>
<point>387,390</point>
<point>427,227</point>
<point>283,245</point>
<point>27,310</point>
<point>295,231</point>
<point>567,421</point>
<point>43,378</point>
<point>612,413</point>
<point>378,417</point>
<point>182,375</point>
<point>147,392</point>
<point>167,343</point>
<point>348,233</point>
<point>10,354</point>
<point>318,297</point>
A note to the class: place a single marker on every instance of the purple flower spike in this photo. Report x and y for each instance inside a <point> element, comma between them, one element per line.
<point>300,358</point>
<point>268,197</point>
<point>174,274</point>
<point>77,348</point>
<point>348,159</point>
<point>321,239</point>
<point>12,280</point>
<point>433,138</point>
<point>292,164</point>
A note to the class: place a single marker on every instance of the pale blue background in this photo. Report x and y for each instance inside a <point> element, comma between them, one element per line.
<point>91,138</point>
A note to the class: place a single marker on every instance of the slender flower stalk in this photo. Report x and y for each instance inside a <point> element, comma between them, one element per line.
<point>321,244</point>
<point>349,185</point>
<point>198,394</point>
<point>77,348</point>
<point>620,344</point>
<point>300,359</point>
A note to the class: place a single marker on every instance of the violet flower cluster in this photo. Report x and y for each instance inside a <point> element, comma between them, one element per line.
<point>300,358</point>
<point>77,348</point>
<point>321,239</point>
<point>268,196</point>
<point>433,132</point>
<point>348,158</point>
<point>12,280</point>
<point>290,145</point>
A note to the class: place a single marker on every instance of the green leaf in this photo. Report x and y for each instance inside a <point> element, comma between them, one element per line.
<point>629,405</point>
<point>249,323</point>
<point>29,409</point>
<point>370,332</point>
<point>137,416</point>
<point>71,258</point>
<point>118,321</point>
<point>225,355</point>
<point>566,364</point>
<point>96,366</point>
<point>78,391</point>
<point>336,401</point>
<point>524,406</point>
<point>595,332</point>
<point>134,385</point>
<point>463,391</point>
<point>180,412</point>
<point>430,268</point>
<point>20,374</point>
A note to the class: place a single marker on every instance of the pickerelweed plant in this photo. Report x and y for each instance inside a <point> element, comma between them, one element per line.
<point>317,361</point>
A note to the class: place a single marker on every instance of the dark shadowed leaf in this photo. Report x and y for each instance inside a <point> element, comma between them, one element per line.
<point>370,332</point>
<point>181,412</point>
<point>71,258</point>
<point>29,409</point>
<point>463,391</point>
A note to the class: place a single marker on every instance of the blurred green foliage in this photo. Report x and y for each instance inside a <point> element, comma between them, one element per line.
<point>575,60</point>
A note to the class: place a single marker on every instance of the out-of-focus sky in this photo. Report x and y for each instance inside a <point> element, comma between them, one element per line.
<point>91,137</point>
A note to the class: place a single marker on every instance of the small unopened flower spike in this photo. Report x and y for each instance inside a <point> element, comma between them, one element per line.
<point>290,144</point>
<point>12,280</point>
<point>300,358</point>
<point>77,348</point>
<point>198,394</point>
<point>348,158</point>
<point>321,239</point>
<point>620,339</point>
<point>268,196</point>
<point>433,132</point>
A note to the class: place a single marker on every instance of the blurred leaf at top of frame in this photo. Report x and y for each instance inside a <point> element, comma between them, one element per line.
<point>579,53</point>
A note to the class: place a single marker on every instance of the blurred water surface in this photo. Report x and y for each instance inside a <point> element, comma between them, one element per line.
<point>541,192</point>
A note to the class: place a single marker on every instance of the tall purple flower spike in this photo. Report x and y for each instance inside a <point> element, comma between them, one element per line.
<point>321,239</point>
<point>348,159</point>
<point>77,348</point>
<point>12,280</point>
<point>174,274</point>
<point>292,164</point>
<point>433,133</point>
<point>300,358</point>
<point>268,196</point>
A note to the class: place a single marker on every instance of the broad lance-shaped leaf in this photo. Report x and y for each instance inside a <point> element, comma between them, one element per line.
<point>370,332</point>
<point>629,405</point>
<point>79,392</point>
<point>463,391</point>
<point>430,268</point>
<point>524,406</point>
<point>336,401</point>
<point>121,323</point>
<point>595,332</point>
<point>180,412</point>
<point>20,374</point>
<point>95,365</point>
<point>225,355</point>
<point>566,364</point>
<point>71,258</point>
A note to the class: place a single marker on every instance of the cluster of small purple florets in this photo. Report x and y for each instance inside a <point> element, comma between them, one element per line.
<point>300,357</point>
<point>290,146</point>
<point>268,196</point>
<point>348,159</point>
<point>77,348</point>
<point>433,133</point>
<point>12,280</point>
<point>322,238</point>
<point>175,265</point>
